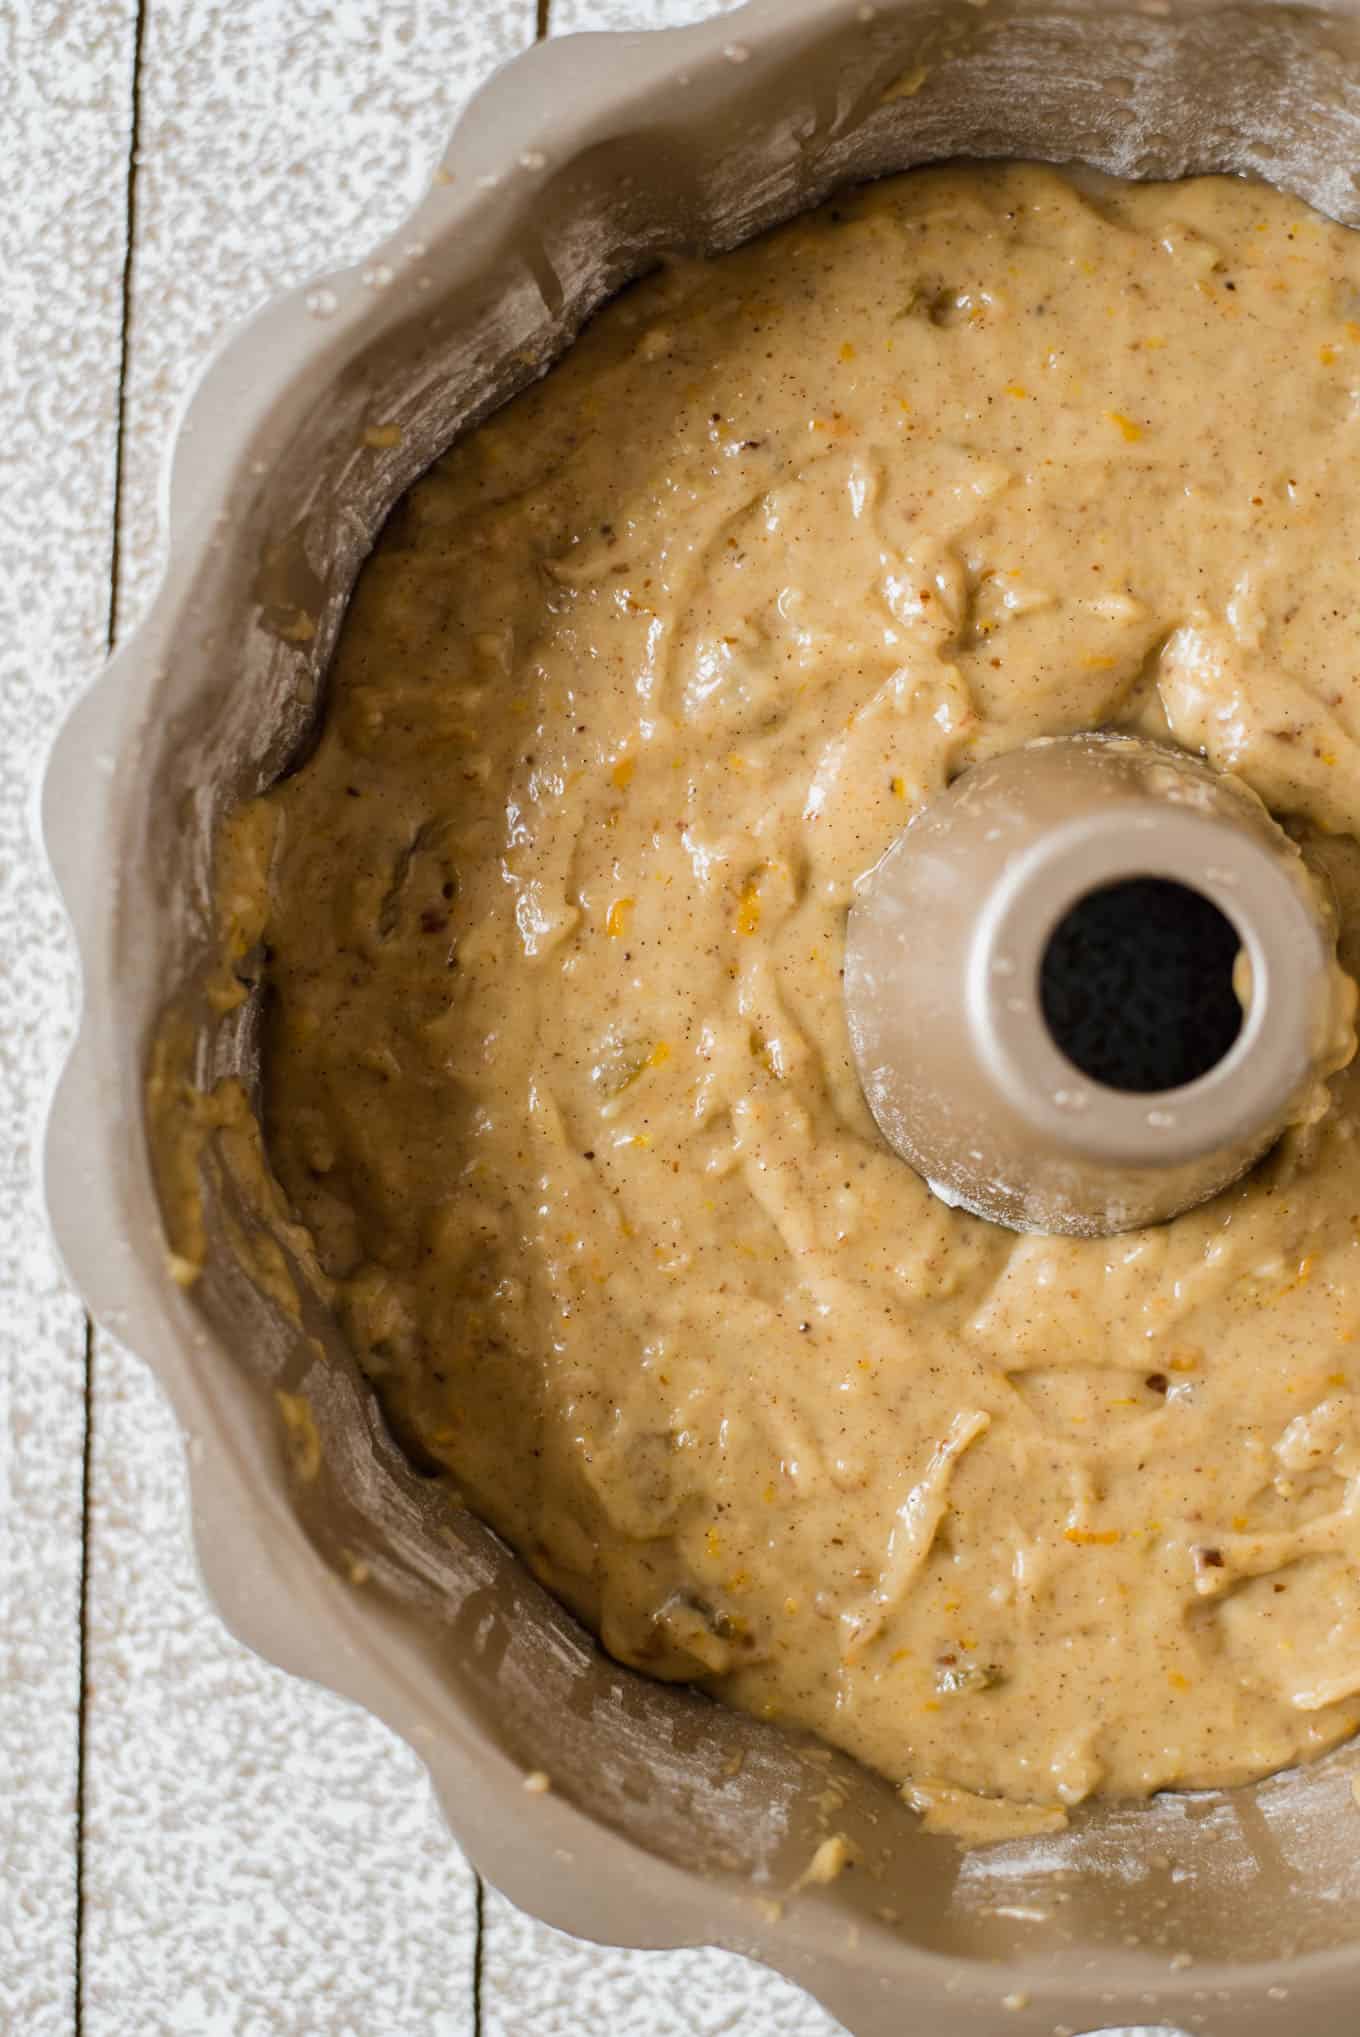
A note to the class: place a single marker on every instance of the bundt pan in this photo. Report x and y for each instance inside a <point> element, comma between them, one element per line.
<point>671,1821</point>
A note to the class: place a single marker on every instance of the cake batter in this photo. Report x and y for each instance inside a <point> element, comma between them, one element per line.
<point>639,680</point>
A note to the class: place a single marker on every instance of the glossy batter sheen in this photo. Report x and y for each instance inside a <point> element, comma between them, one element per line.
<point>640,679</point>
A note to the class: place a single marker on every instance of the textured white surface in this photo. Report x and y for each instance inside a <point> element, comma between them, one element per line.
<point>259,1859</point>
<point>61,257</point>
<point>567,16</point>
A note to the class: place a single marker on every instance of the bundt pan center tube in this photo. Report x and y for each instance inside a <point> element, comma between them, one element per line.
<point>1089,986</point>
<point>671,1820</point>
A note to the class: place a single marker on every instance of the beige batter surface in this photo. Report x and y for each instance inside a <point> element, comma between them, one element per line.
<point>642,676</point>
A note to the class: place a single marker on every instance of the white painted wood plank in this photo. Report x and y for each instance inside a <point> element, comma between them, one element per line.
<point>61,255</point>
<point>567,16</point>
<point>261,1859</point>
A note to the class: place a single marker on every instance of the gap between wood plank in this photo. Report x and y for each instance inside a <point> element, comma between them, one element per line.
<point>125,316</point>
<point>479,1907</point>
<point>111,639</point>
<point>82,1611</point>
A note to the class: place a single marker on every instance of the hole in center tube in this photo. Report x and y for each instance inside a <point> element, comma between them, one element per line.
<point>1137,985</point>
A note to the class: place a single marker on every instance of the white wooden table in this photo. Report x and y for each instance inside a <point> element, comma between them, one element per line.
<point>190,1842</point>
